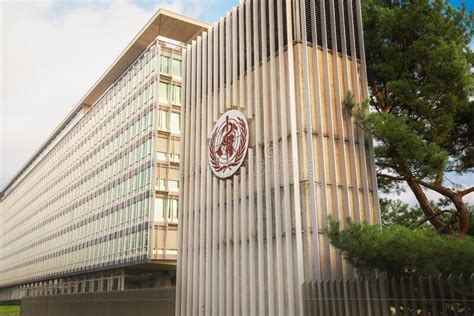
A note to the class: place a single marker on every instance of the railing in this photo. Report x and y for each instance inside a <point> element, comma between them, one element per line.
<point>363,296</point>
<point>144,302</point>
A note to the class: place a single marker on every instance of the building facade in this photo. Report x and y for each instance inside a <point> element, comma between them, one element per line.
<point>248,242</point>
<point>96,209</point>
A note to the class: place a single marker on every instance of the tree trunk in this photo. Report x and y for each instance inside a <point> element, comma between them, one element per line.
<point>462,211</point>
<point>461,207</point>
<point>427,208</point>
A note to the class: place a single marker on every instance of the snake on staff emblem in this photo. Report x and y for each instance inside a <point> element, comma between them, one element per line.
<point>228,143</point>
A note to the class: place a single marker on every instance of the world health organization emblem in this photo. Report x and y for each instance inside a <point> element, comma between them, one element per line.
<point>228,144</point>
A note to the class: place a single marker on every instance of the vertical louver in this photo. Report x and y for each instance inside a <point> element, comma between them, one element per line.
<point>327,15</point>
<point>347,28</point>
<point>356,27</point>
<point>285,29</point>
<point>319,19</point>
<point>316,10</point>
<point>240,11</point>
<point>314,20</point>
<point>344,20</point>
<point>337,21</point>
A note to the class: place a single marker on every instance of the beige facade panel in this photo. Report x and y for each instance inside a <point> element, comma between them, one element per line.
<point>247,243</point>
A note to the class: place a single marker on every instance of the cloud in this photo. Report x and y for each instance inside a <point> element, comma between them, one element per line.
<point>51,54</point>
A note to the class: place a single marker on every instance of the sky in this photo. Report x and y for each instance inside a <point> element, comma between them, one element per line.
<point>53,51</point>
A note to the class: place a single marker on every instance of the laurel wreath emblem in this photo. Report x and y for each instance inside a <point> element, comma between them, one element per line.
<point>214,161</point>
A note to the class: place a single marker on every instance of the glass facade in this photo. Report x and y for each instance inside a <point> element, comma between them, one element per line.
<point>88,203</point>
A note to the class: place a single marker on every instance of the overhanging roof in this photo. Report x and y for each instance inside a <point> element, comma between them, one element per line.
<point>163,23</point>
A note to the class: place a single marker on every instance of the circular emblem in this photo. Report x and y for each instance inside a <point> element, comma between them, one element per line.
<point>228,144</point>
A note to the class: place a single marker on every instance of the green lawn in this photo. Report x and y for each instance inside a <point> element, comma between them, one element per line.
<point>13,310</point>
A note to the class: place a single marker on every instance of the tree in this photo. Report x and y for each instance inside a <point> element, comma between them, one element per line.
<point>400,251</point>
<point>396,212</point>
<point>419,77</point>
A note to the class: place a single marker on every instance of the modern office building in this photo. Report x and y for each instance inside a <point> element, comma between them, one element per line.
<point>95,208</point>
<point>269,154</point>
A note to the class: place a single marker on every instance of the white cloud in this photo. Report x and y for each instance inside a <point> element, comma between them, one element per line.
<point>50,56</point>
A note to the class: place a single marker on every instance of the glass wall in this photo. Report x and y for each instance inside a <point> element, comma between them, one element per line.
<point>87,203</point>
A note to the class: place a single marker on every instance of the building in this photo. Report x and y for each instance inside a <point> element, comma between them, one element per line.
<point>266,153</point>
<point>248,241</point>
<point>95,207</point>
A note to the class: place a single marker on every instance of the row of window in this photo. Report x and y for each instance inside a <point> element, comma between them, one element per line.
<point>105,149</point>
<point>119,114</point>
<point>133,77</point>
<point>113,122</point>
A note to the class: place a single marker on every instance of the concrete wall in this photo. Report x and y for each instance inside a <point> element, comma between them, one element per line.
<point>247,243</point>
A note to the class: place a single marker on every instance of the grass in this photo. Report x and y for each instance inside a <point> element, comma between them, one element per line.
<point>13,310</point>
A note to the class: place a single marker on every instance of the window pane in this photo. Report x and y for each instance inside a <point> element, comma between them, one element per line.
<point>176,67</point>
<point>176,95</point>
<point>173,209</point>
<point>159,208</point>
<point>163,120</point>
<point>165,65</point>
<point>161,155</point>
<point>161,184</point>
<point>173,185</point>
<point>175,122</point>
<point>164,92</point>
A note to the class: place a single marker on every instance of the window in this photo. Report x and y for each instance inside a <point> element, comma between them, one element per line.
<point>151,90</point>
<point>174,157</point>
<point>176,95</point>
<point>147,206</point>
<point>173,185</point>
<point>163,120</point>
<point>173,209</point>
<point>164,96</point>
<point>161,156</point>
<point>176,67</point>
<point>175,119</point>
<point>165,65</point>
<point>159,209</point>
<point>142,179</point>
<point>161,184</point>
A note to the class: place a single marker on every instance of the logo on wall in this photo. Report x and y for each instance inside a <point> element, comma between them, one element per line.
<point>228,144</point>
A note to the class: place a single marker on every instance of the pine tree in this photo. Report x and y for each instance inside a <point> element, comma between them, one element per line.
<point>419,76</point>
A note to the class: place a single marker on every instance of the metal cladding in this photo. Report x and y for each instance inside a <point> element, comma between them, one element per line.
<point>248,243</point>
